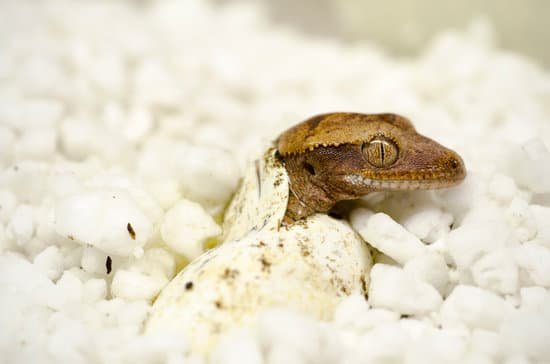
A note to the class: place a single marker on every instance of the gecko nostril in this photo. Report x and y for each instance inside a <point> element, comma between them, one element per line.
<point>454,164</point>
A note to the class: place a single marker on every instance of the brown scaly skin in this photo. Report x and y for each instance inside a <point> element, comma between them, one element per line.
<point>343,156</point>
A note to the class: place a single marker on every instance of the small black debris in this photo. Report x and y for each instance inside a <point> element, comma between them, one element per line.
<point>109,264</point>
<point>131,231</point>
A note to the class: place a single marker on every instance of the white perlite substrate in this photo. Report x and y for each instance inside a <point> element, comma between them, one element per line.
<point>124,130</point>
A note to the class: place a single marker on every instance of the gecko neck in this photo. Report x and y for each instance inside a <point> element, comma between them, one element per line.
<point>308,194</point>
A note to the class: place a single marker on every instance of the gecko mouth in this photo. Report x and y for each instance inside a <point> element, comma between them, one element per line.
<point>404,184</point>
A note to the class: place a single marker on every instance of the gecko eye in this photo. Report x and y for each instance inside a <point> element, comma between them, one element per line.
<point>381,152</point>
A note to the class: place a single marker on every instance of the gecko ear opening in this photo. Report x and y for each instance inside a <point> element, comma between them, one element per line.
<point>309,168</point>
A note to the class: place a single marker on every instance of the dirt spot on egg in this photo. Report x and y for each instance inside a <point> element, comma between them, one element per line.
<point>230,273</point>
<point>266,264</point>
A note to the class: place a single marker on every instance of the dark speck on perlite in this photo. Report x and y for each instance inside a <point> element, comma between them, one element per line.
<point>108,264</point>
<point>131,231</point>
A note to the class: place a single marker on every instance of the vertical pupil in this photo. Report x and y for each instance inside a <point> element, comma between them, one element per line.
<point>381,153</point>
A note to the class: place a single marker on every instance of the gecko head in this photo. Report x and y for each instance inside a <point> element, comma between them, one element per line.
<point>341,156</point>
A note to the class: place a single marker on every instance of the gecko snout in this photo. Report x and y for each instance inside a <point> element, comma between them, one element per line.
<point>455,167</point>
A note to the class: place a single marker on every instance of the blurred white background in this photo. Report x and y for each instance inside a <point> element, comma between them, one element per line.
<point>404,26</point>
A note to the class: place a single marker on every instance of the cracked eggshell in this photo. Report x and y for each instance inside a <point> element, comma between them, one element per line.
<point>260,203</point>
<point>307,267</point>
